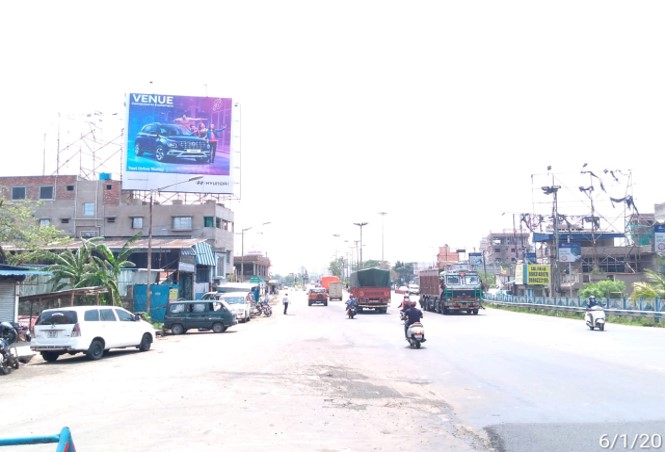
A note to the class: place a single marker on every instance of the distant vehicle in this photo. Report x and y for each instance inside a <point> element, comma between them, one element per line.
<point>171,141</point>
<point>326,280</point>
<point>239,302</point>
<point>215,315</point>
<point>336,290</point>
<point>402,290</point>
<point>371,287</point>
<point>317,295</point>
<point>89,329</point>
<point>413,289</point>
<point>455,289</point>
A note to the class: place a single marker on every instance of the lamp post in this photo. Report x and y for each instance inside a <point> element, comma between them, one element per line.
<point>554,283</point>
<point>242,250</point>
<point>360,262</point>
<point>148,295</point>
<point>383,214</point>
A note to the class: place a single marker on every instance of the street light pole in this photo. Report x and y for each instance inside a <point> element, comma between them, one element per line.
<point>360,263</point>
<point>148,295</point>
<point>242,250</point>
<point>383,214</point>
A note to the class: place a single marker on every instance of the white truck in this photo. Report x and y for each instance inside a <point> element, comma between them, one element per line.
<point>335,290</point>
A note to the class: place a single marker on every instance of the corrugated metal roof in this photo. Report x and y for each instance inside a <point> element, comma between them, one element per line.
<point>22,272</point>
<point>205,255</point>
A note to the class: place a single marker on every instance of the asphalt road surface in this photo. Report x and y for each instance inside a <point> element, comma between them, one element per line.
<point>314,380</point>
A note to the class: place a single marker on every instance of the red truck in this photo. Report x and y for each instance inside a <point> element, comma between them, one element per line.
<point>326,280</point>
<point>371,286</point>
<point>453,290</point>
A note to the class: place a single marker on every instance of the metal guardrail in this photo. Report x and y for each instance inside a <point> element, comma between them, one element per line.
<point>619,307</point>
<point>64,441</point>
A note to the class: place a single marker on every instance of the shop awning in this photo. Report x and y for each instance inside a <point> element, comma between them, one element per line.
<point>205,255</point>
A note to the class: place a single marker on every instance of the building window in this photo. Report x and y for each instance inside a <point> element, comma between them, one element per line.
<point>137,222</point>
<point>110,219</point>
<point>218,222</point>
<point>202,274</point>
<point>18,193</point>
<point>88,209</point>
<point>88,234</point>
<point>64,220</point>
<point>182,223</point>
<point>43,222</point>
<point>109,187</point>
<point>70,188</point>
<point>46,192</point>
<point>207,222</point>
<point>225,225</point>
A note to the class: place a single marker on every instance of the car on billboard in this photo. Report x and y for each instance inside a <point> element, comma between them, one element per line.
<point>169,142</point>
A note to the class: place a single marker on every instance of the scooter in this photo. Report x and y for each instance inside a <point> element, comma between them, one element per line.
<point>351,311</point>
<point>415,334</point>
<point>8,358</point>
<point>595,318</point>
<point>266,308</point>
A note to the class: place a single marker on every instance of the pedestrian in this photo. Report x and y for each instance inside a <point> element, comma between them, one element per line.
<point>285,302</point>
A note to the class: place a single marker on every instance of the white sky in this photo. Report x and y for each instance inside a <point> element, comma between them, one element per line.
<point>435,112</point>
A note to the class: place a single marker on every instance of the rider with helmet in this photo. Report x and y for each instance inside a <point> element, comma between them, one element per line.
<point>411,315</point>
<point>592,301</point>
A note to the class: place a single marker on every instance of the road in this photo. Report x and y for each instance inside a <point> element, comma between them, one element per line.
<point>314,380</point>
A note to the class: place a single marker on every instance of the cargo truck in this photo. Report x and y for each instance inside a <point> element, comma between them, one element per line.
<point>336,290</point>
<point>326,280</point>
<point>371,287</point>
<point>455,289</point>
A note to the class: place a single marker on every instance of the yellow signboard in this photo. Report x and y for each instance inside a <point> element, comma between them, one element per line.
<point>538,275</point>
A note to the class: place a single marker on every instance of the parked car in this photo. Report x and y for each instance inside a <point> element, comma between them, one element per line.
<point>402,290</point>
<point>317,295</point>
<point>215,315</point>
<point>239,302</point>
<point>89,329</point>
<point>171,141</point>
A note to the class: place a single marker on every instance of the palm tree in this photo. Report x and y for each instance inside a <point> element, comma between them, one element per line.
<point>109,267</point>
<point>74,269</point>
<point>654,288</point>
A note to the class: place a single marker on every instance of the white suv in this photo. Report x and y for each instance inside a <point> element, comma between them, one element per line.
<point>89,329</point>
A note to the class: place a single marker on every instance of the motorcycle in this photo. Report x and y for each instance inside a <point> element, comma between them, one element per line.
<point>351,311</point>
<point>266,309</point>
<point>8,358</point>
<point>595,317</point>
<point>415,334</point>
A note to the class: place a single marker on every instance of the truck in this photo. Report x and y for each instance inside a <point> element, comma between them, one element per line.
<point>326,280</point>
<point>371,287</point>
<point>457,288</point>
<point>336,290</point>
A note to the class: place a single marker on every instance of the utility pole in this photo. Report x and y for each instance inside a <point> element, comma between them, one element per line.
<point>360,262</point>
<point>383,214</point>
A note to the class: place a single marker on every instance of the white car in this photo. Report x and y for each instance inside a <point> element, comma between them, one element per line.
<point>240,303</point>
<point>413,289</point>
<point>89,329</point>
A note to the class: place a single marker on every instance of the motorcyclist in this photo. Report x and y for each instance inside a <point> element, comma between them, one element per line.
<point>592,301</point>
<point>352,301</point>
<point>411,315</point>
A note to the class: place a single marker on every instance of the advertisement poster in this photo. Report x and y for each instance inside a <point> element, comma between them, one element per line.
<point>659,239</point>
<point>538,275</point>
<point>570,252</point>
<point>476,261</point>
<point>180,143</point>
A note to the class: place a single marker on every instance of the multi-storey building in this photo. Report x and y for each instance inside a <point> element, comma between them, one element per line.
<point>182,224</point>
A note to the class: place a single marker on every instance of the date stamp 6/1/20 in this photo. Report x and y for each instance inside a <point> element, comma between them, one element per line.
<point>639,441</point>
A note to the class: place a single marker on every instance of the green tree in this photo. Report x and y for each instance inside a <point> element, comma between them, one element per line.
<point>109,267</point>
<point>604,289</point>
<point>336,267</point>
<point>404,271</point>
<point>74,269</point>
<point>19,229</point>
<point>654,287</point>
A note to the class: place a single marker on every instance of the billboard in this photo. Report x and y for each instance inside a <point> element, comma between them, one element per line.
<point>659,239</point>
<point>538,275</point>
<point>180,143</point>
<point>570,252</point>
